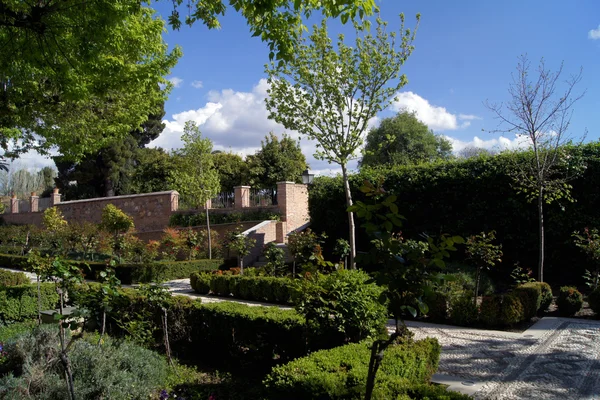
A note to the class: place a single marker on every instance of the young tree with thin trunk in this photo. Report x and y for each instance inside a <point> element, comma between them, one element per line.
<point>330,93</point>
<point>542,114</point>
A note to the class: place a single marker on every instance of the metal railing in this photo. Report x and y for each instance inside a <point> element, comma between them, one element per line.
<point>44,203</point>
<point>223,200</point>
<point>263,197</point>
<point>24,206</point>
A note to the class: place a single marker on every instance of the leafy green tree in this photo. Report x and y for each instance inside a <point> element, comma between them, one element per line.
<point>240,244</point>
<point>589,241</point>
<point>543,116</point>
<point>474,152</point>
<point>329,93</point>
<point>277,22</point>
<point>483,254</point>
<point>194,175</point>
<point>117,223</point>
<point>404,140</point>
<point>77,75</point>
<point>110,170</point>
<point>277,161</point>
<point>232,170</point>
<point>151,171</point>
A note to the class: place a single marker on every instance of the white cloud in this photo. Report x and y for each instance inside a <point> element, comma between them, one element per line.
<point>435,117</point>
<point>495,144</point>
<point>237,122</point>
<point>198,84</point>
<point>176,81</point>
<point>594,34</point>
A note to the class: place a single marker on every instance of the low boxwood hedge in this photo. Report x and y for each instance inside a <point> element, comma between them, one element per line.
<point>341,373</point>
<point>20,303</point>
<point>130,273</point>
<point>255,288</point>
<point>530,295</point>
<point>225,335</point>
<point>10,278</point>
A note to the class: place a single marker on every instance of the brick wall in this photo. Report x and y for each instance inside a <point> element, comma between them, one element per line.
<point>292,199</point>
<point>150,211</point>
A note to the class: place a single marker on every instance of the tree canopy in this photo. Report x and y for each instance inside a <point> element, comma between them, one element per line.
<point>77,74</point>
<point>194,175</point>
<point>329,93</point>
<point>276,161</point>
<point>108,171</point>
<point>404,140</point>
<point>232,170</point>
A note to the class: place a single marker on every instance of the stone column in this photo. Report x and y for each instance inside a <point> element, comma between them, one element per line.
<point>174,200</point>
<point>280,231</point>
<point>54,197</point>
<point>14,205</point>
<point>34,202</point>
<point>242,196</point>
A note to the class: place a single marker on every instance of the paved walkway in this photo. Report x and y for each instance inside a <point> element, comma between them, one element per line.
<point>557,358</point>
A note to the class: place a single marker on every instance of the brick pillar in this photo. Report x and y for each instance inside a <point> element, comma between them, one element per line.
<point>174,200</point>
<point>292,200</point>
<point>14,205</point>
<point>34,202</point>
<point>54,197</point>
<point>242,196</point>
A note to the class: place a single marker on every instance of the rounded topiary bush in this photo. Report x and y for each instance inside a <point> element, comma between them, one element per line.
<point>489,311</point>
<point>511,310</point>
<point>594,301</point>
<point>530,295</point>
<point>546,295</point>
<point>463,311</point>
<point>569,301</point>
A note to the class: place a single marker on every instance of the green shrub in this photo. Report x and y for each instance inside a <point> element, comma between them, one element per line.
<point>114,370</point>
<point>489,311</point>
<point>546,295</point>
<point>200,282</point>
<point>223,218</point>
<point>20,303</point>
<point>341,373</point>
<point>10,331</point>
<point>594,301</point>
<point>225,335</point>
<point>530,295</point>
<point>346,301</point>
<point>569,301</point>
<point>438,306</point>
<point>9,278</point>
<point>219,285</point>
<point>463,311</point>
<point>511,310</point>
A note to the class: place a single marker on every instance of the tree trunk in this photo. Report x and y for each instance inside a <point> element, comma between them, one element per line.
<point>477,278</point>
<point>39,296</point>
<point>208,232</point>
<point>351,229</point>
<point>541,235</point>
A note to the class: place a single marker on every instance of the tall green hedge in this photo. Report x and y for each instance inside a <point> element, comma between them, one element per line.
<point>464,197</point>
<point>20,303</point>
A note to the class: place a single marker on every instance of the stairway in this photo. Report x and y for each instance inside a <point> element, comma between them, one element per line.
<point>262,261</point>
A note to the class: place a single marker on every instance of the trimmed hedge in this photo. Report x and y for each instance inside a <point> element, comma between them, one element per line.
<point>186,219</point>
<point>9,278</point>
<point>486,200</point>
<point>569,301</point>
<point>530,295</point>
<point>594,301</point>
<point>225,335</point>
<point>20,303</point>
<point>130,273</point>
<point>255,288</point>
<point>341,373</point>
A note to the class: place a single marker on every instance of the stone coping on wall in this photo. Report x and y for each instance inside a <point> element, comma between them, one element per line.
<point>129,196</point>
<point>257,226</point>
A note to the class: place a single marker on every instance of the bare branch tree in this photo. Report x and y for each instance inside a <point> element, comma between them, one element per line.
<point>542,114</point>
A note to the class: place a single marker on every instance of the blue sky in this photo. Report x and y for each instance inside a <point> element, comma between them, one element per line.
<point>465,53</point>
